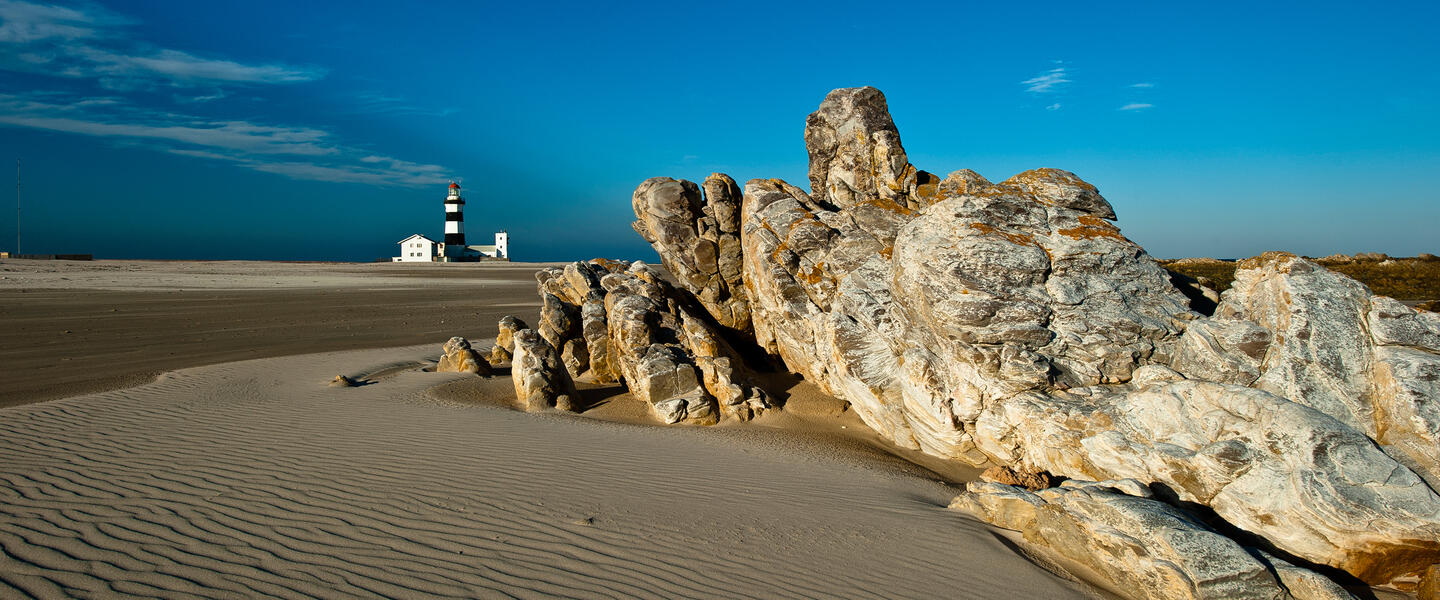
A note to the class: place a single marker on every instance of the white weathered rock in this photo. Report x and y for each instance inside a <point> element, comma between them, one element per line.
<point>1145,549</point>
<point>1368,361</point>
<point>955,314</point>
<point>540,379</point>
<point>1285,472</point>
<point>1304,584</point>
<point>1320,353</point>
<point>1223,350</point>
<point>855,152</point>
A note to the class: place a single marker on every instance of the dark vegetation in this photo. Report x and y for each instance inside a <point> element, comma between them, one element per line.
<point>1411,279</point>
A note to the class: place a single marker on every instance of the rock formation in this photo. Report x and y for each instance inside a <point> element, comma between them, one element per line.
<point>504,347</point>
<point>1012,323</point>
<point>458,357</point>
<point>1321,339</point>
<point>1268,466</point>
<point>541,381</point>
<point>697,235</point>
<point>618,321</point>
<point>1145,549</point>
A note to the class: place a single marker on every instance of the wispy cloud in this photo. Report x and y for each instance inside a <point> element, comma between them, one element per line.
<point>92,43</point>
<point>295,152</point>
<point>1046,82</point>
<point>1137,106</point>
<point>1141,85</point>
<point>25,22</point>
<point>1055,106</point>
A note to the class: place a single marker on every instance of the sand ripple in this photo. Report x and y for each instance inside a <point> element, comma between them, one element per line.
<point>254,479</point>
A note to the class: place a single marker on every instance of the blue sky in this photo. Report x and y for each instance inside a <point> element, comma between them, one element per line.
<point>327,131</point>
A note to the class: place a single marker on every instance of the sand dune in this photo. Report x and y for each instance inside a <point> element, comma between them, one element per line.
<point>253,479</point>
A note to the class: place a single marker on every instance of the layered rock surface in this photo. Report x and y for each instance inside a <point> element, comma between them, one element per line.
<point>1142,548</point>
<point>696,230</point>
<point>1012,323</point>
<point>622,322</point>
<point>1302,332</point>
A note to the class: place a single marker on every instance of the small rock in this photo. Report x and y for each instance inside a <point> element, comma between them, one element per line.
<point>342,381</point>
<point>505,338</point>
<point>460,358</point>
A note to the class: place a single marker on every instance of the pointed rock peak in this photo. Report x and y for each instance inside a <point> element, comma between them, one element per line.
<point>855,151</point>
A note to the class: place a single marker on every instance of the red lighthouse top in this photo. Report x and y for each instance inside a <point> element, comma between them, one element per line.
<point>454,186</point>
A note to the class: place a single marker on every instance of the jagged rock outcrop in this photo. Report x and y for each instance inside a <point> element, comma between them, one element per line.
<point>921,317</point>
<point>458,357</point>
<point>1013,323</point>
<point>1144,549</point>
<point>1300,331</point>
<point>618,321</point>
<point>540,379</point>
<point>697,234</point>
<point>855,152</point>
<point>1304,482</point>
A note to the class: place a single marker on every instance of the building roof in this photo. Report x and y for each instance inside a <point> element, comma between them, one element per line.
<point>413,236</point>
<point>454,186</point>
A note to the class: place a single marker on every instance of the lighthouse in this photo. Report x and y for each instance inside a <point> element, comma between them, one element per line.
<point>454,223</point>
<point>418,248</point>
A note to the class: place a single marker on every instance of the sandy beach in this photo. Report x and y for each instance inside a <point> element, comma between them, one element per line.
<point>74,327</point>
<point>253,478</point>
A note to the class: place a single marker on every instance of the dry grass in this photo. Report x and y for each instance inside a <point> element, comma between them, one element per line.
<point>1413,279</point>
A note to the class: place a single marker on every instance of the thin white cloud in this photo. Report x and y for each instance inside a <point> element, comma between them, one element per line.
<point>182,67</point>
<point>1141,85</point>
<point>24,22</point>
<point>1046,82</point>
<point>1055,106</point>
<point>90,43</point>
<point>296,152</point>
<point>1137,106</point>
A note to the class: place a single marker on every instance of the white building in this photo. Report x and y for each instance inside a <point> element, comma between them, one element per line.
<point>417,248</point>
<point>500,249</point>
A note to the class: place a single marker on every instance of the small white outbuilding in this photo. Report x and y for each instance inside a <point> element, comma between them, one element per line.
<point>417,248</point>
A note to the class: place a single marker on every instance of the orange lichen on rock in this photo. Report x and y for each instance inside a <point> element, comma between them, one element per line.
<point>813,276</point>
<point>889,205</point>
<point>1092,227</point>
<point>927,188</point>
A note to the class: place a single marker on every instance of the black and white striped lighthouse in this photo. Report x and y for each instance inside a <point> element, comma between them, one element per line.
<point>454,222</point>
